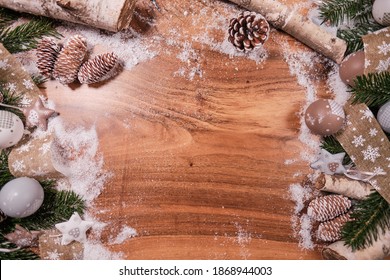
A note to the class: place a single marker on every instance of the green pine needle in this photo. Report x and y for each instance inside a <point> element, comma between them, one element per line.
<point>9,97</point>
<point>39,80</point>
<point>353,35</point>
<point>21,254</point>
<point>336,11</point>
<point>5,174</point>
<point>370,217</point>
<point>372,89</point>
<point>26,36</point>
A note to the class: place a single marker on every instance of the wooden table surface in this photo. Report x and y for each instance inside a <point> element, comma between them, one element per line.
<point>199,165</point>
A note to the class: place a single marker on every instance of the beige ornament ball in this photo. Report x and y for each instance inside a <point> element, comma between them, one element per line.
<point>381,12</point>
<point>324,117</point>
<point>11,129</point>
<point>351,67</point>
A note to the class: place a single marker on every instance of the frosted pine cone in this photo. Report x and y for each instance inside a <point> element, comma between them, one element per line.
<point>331,230</point>
<point>47,53</point>
<point>248,31</point>
<point>325,208</point>
<point>70,59</point>
<point>100,68</point>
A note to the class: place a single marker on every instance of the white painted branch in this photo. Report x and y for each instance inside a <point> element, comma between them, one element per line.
<point>112,15</point>
<point>298,26</point>
<point>343,185</point>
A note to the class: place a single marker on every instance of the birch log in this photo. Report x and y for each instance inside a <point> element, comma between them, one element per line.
<point>379,250</point>
<point>343,185</point>
<point>298,26</point>
<point>112,15</point>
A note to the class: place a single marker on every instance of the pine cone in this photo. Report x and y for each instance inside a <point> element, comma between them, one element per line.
<point>248,31</point>
<point>98,69</point>
<point>70,59</point>
<point>331,230</point>
<point>328,207</point>
<point>47,53</point>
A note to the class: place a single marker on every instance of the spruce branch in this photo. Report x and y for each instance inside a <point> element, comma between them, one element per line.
<point>336,11</point>
<point>26,36</point>
<point>370,216</point>
<point>353,35</point>
<point>372,89</point>
<point>5,174</point>
<point>39,80</point>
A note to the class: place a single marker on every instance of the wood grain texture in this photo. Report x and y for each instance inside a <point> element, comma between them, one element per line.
<point>198,165</point>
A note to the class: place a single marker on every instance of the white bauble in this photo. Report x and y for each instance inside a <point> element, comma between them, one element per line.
<point>11,129</point>
<point>21,197</point>
<point>384,117</point>
<point>381,12</point>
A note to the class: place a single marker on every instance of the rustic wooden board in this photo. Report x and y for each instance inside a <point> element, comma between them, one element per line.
<point>199,165</point>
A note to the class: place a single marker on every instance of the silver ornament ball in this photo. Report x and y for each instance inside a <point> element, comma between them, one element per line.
<point>381,12</point>
<point>21,197</point>
<point>383,117</point>
<point>11,129</point>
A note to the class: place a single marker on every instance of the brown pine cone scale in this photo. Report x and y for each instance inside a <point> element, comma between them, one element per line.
<point>248,31</point>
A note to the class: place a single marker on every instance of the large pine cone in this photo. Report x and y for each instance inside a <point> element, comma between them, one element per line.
<point>98,69</point>
<point>327,207</point>
<point>70,59</point>
<point>248,31</point>
<point>47,53</point>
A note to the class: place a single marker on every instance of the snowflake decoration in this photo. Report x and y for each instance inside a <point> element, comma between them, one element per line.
<point>40,172</point>
<point>25,101</point>
<point>28,84</point>
<point>54,255</point>
<point>373,132</point>
<point>4,64</point>
<point>383,65</point>
<point>371,153</point>
<point>374,184</point>
<point>384,48</point>
<point>378,170</point>
<point>358,141</point>
<point>24,148</point>
<point>11,86</point>
<point>367,114</point>
<point>19,165</point>
<point>45,148</point>
<point>353,158</point>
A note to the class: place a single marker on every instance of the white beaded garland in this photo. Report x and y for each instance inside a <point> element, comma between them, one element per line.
<point>11,129</point>
<point>21,197</point>
<point>383,117</point>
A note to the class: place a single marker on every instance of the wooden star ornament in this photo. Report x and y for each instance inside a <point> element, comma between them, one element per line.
<point>37,114</point>
<point>74,230</point>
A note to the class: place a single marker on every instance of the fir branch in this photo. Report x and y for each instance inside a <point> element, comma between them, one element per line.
<point>26,36</point>
<point>19,254</point>
<point>5,174</point>
<point>336,11</point>
<point>370,216</point>
<point>58,206</point>
<point>10,97</point>
<point>353,35</point>
<point>372,89</point>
